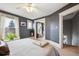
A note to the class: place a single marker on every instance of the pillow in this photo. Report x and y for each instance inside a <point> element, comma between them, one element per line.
<point>3,43</point>
<point>40,43</point>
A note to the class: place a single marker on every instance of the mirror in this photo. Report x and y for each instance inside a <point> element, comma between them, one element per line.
<point>39,29</point>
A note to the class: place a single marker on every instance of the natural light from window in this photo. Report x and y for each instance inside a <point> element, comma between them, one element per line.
<point>7,22</point>
<point>29,24</point>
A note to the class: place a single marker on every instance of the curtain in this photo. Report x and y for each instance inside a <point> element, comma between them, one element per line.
<point>2,22</point>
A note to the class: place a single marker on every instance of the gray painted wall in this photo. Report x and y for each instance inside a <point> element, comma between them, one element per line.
<point>75,30</point>
<point>52,24</point>
<point>67,30</point>
<point>24,32</point>
<point>52,30</point>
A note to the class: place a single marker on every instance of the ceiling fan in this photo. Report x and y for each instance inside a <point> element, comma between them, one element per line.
<point>29,7</point>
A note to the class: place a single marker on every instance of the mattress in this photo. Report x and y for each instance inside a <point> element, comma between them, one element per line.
<point>26,47</point>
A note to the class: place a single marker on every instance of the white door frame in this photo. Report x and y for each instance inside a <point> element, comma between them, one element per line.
<point>61,15</point>
<point>42,21</point>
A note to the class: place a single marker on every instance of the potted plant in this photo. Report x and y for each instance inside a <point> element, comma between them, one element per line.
<point>10,36</point>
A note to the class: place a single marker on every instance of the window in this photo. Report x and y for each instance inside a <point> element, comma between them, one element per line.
<point>29,24</point>
<point>9,27</point>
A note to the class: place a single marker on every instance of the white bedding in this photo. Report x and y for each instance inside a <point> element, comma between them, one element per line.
<point>25,47</point>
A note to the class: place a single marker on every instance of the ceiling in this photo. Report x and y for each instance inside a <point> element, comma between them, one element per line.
<point>70,16</point>
<point>40,9</point>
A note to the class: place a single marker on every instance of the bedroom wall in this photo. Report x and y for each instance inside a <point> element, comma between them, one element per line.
<point>52,24</point>
<point>23,31</point>
<point>75,30</point>
<point>67,30</point>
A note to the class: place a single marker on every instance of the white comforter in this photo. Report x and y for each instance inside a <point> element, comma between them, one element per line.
<point>25,47</point>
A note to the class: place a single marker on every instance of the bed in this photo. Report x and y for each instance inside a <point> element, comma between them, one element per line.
<point>26,47</point>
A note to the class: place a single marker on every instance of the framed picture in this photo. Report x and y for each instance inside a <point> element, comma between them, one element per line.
<point>23,23</point>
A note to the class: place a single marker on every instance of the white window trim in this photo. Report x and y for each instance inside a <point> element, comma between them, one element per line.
<point>10,16</point>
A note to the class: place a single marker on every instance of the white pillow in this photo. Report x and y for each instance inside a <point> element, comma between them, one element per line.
<point>2,43</point>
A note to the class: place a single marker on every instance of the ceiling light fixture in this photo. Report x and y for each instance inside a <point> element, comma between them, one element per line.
<point>29,7</point>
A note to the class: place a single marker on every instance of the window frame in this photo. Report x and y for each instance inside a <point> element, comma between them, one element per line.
<point>9,16</point>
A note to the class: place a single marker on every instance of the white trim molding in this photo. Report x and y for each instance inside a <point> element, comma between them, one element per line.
<point>42,21</point>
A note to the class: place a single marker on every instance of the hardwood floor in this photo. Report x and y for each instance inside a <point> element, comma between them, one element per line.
<point>69,50</point>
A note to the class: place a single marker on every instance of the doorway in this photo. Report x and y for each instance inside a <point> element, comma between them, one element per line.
<point>71,29</point>
<point>39,28</point>
<point>61,18</point>
<point>69,39</point>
